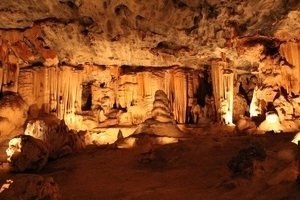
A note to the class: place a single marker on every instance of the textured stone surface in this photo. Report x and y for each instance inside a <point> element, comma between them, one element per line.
<point>30,186</point>
<point>13,113</point>
<point>98,64</point>
<point>27,153</point>
<point>60,141</point>
<point>145,33</point>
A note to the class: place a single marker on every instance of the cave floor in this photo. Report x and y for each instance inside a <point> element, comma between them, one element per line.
<point>193,169</point>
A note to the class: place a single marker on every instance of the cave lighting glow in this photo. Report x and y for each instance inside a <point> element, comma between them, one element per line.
<point>6,185</point>
<point>296,138</point>
<point>272,118</point>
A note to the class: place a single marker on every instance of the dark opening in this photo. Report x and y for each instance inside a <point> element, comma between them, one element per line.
<point>102,85</point>
<point>86,98</point>
<point>205,88</point>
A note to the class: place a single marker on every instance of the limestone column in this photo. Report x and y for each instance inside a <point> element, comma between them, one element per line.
<point>291,52</point>
<point>180,93</point>
<point>223,89</point>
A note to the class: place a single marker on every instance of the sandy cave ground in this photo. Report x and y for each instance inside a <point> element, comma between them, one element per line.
<point>193,169</point>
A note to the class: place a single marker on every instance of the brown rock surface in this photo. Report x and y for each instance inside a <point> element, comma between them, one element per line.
<point>27,153</point>
<point>152,33</point>
<point>30,186</point>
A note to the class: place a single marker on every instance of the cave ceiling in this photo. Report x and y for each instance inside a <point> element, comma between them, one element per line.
<point>146,33</point>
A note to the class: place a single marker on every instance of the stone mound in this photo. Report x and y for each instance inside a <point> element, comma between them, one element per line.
<point>161,124</point>
<point>27,153</point>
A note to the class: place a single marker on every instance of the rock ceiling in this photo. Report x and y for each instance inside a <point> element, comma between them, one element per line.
<point>148,33</point>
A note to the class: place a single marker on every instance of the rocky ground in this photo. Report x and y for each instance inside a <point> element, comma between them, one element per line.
<point>193,169</point>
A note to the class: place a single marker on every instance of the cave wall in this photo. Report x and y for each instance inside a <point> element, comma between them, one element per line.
<point>113,90</point>
<point>52,51</point>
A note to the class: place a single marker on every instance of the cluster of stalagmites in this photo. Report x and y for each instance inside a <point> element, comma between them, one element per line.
<point>47,137</point>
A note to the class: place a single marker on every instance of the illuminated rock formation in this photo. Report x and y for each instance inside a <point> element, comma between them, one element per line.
<point>98,65</point>
<point>271,124</point>
<point>13,113</point>
<point>27,153</point>
<point>55,133</point>
<point>222,77</point>
<point>159,129</point>
<point>161,108</point>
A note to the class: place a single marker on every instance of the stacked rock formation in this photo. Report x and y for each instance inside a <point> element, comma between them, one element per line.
<point>161,108</point>
<point>160,129</point>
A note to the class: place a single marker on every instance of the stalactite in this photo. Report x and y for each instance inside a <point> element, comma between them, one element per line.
<point>66,83</point>
<point>190,90</point>
<point>46,90</point>
<point>77,101</point>
<point>222,78</point>
<point>147,92</point>
<point>5,75</point>
<point>180,100</point>
<point>35,79</point>
<point>147,88</point>
<point>217,86</point>
<point>141,86</point>
<point>215,74</point>
<point>60,92</point>
<point>172,89</point>
<point>229,90</point>
<point>195,82</point>
<point>70,92</point>
<point>291,52</point>
<point>115,72</point>
<point>154,84</point>
<point>26,86</point>
<point>1,78</point>
<point>53,89</point>
<point>3,54</point>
